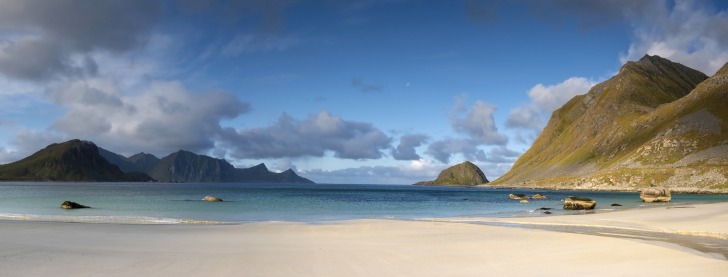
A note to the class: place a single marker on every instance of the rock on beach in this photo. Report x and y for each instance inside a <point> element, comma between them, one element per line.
<point>655,194</point>
<point>579,203</point>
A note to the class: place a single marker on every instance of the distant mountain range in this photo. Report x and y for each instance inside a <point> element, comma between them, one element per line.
<point>78,160</point>
<point>655,123</point>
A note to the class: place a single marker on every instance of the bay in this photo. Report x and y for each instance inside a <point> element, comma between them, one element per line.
<point>157,203</point>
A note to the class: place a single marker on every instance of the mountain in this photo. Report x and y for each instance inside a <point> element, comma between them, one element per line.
<point>655,122</point>
<point>74,160</point>
<point>185,166</point>
<point>464,174</point>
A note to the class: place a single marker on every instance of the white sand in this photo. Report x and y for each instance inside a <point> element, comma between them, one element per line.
<point>362,248</point>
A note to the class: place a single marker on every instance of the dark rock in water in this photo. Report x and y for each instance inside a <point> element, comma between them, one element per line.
<point>73,205</point>
<point>518,196</point>
<point>579,203</point>
<point>543,209</point>
<point>538,196</point>
<point>655,194</point>
<point>616,205</point>
<point>546,212</point>
<point>211,199</point>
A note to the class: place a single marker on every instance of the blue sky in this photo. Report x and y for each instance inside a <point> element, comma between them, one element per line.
<point>370,91</point>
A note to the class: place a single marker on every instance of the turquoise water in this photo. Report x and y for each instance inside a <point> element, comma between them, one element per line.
<point>180,203</point>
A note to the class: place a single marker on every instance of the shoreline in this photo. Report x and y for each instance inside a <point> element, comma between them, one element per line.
<point>673,190</point>
<point>366,247</point>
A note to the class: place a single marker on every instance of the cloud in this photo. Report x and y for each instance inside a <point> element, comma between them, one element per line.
<point>689,33</point>
<point>415,171</point>
<point>364,87</point>
<point>545,100</point>
<point>163,117</point>
<point>478,123</point>
<point>406,148</point>
<point>441,150</point>
<point>502,155</point>
<point>51,37</point>
<point>314,136</point>
<point>283,165</point>
<point>27,142</point>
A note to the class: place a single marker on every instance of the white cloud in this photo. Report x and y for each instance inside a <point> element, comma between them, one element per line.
<point>688,32</point>
<point>545,100</point>
<point>443,149</point>
<point>552,97</point>
<point>415,171</point>
<point>478,123</point>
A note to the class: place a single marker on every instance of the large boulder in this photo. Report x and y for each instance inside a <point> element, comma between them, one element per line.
<point>538,196</point>
<point>210,198</point>
<point>72,205</point>
<point>518,196</point>
<point>579,203</point>
<point>655,194</point>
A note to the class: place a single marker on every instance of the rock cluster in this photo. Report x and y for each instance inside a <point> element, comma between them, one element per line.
<point>521,196</point>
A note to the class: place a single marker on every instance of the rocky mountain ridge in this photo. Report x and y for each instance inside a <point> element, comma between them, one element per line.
<point>185,166</point>
<point>82,161</point>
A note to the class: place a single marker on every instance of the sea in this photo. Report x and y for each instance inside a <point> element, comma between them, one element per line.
<point>180,203</point>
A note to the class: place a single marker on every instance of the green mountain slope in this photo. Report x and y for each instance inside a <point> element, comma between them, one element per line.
<point>655,122</point>
<point>463,174</point>
<point>74,160</point>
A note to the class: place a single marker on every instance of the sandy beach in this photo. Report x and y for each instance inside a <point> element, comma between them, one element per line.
<point>436,247</point>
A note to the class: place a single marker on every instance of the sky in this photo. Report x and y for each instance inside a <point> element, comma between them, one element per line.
<point>360,91</point>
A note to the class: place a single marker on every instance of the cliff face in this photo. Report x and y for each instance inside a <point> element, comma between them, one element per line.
<point>655,122</point>
<point>74,160</point>
<point>464,174</point>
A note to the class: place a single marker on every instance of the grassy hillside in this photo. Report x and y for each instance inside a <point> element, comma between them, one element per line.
<point>655,122</point>
<point>73,160</point>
